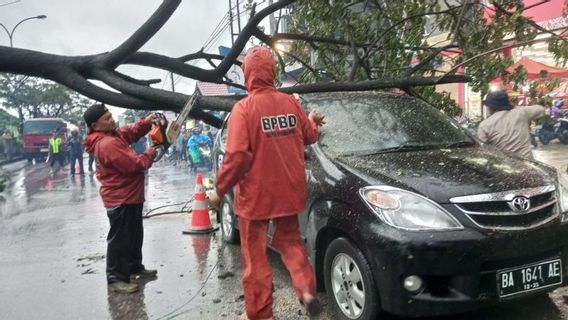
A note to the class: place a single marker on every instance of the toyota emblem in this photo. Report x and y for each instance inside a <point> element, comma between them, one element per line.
<point>520,204</point>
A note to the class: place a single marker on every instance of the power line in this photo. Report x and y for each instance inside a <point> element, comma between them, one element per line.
<point>9,3</point>
<point>216,34</point>
<point>223,20</point>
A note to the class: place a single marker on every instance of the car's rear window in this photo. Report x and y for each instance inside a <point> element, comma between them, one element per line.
<point>42,127</point>
<point>366,123</point>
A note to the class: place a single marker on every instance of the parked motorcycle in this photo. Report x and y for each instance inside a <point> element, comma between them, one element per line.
<point>550,131</point>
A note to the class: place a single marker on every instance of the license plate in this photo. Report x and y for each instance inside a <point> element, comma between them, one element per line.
<point>43,150</point>
<point>528,278</point>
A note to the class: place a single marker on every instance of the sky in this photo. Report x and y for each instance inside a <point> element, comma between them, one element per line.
<point>82,27</point>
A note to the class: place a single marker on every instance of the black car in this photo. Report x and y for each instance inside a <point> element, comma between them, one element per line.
<point>408,214</point>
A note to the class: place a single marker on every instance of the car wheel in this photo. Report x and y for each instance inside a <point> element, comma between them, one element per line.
<point>229,229</point>
<point>348,282</point>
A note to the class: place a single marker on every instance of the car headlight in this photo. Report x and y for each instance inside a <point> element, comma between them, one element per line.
<point>563,194</point>
<point>407,210</point>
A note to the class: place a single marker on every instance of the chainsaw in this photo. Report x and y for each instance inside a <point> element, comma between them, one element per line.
<point>163,136</point>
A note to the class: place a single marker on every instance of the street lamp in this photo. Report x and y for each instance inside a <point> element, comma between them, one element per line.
<point>11,33</point>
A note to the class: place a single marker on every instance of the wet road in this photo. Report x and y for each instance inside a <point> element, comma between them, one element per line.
<point>52,247</point>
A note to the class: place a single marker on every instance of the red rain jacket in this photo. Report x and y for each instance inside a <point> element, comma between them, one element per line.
<point>119,169</point>
<point>264,156</point>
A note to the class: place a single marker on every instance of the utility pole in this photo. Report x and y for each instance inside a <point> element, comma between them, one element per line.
<point>271,20</point>
<point>235,19</point>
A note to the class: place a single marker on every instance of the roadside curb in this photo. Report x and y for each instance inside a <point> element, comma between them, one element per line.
<point>5,162</point>
<point>13,165</point>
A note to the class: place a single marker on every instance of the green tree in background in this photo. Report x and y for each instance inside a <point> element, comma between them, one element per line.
<point>365,40</point>
<point>33,98</point>
<point>8,121</point>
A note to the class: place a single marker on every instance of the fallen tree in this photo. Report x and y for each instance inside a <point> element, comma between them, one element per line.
<point>76,72</point>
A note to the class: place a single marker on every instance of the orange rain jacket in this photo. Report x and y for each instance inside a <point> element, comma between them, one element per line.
<point>264,156</point>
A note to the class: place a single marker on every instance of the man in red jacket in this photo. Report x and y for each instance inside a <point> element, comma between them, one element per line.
<point>264,158</point>
<point>121,174</point>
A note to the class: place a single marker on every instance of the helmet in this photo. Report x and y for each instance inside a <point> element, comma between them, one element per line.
<point>559,103</point>
<point>196,130</point>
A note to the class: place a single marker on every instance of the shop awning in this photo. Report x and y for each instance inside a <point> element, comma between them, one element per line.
<point>534,68</point>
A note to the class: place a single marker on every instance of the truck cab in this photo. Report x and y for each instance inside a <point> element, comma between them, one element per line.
<point>36,134</point>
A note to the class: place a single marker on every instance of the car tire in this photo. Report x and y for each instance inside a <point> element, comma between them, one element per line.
<point>357,282</point>
<point>228,220</point>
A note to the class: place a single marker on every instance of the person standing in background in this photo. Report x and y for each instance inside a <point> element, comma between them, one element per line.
<point>75,152</point>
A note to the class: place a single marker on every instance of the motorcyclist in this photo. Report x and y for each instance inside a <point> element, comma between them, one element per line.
<point>197,139</point>
<point>554,111</point>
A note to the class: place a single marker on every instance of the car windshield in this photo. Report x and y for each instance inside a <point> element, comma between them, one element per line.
<point>361,124</point>
<point>41,127</point>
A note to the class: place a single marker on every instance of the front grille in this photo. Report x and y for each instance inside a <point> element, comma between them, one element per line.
<point>498,211</point>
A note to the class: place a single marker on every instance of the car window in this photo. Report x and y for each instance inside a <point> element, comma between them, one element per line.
<point>364,124</point>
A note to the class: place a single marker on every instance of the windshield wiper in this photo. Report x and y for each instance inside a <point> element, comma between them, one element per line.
<point>458,144</point>
<point>412,147</point>
<point>402,147</point>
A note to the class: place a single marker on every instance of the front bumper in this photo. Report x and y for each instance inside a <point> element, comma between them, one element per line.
<point>459,268</point>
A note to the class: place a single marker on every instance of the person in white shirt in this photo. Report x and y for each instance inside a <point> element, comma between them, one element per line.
<point>507,128</point>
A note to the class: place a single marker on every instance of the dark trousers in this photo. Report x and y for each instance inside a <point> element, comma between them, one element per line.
<point>56,157</point>
<point>91,160</point>
<point>79,158</point>
<point>124,242</point>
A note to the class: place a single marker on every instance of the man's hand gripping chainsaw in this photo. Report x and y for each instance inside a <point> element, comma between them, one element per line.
<point>163,136</point>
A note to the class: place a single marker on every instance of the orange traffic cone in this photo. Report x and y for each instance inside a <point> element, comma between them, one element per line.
<point>200,220</point>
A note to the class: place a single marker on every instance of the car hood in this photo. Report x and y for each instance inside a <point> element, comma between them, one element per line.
<point>445,173</point>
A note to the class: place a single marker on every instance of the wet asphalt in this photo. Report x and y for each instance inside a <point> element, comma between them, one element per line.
<point>53,240</point>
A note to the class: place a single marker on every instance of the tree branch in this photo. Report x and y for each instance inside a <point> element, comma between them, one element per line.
<point>531,22</point>
<point>375,84</point>
<point>173,65</point>
<point>513,45</point>
<point>247,31</point>
<point>165,99</point>
<point>138,81</point>
<point>142,35</point>
<point>202,55</point>
<point>427,60</point>
<point>75,81</point>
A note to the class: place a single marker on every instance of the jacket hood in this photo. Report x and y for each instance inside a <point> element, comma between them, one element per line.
<point>92,139</point>
<point>443,174</point>
<point>259,69</point>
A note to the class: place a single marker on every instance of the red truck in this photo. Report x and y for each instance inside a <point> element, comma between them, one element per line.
<point>36,136</point>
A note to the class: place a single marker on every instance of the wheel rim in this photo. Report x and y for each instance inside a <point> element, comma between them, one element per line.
<point>227,219</point>
<point>348,287</point>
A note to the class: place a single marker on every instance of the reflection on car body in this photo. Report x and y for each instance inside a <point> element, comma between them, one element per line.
<point>408,214</point>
